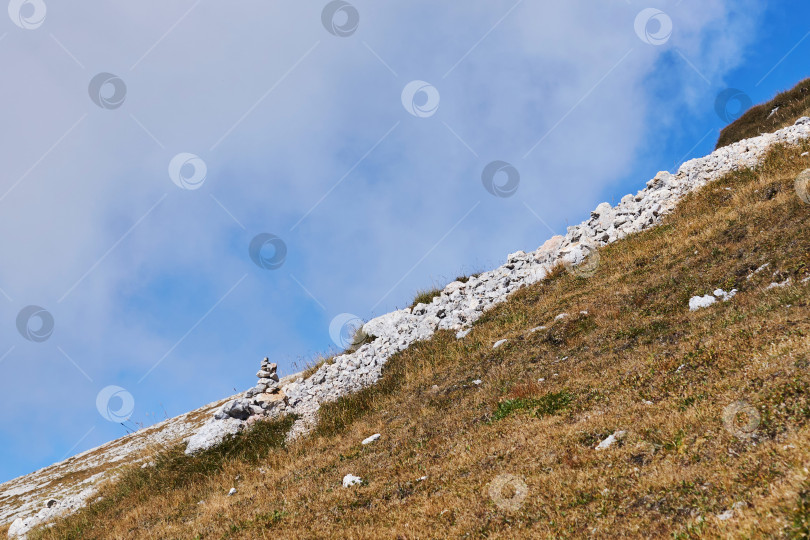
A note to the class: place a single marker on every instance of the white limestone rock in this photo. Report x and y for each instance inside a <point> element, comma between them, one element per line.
<point>212,433</point>
<point>699,302</point>
<point>388,324</point>
<point>371,439</point>
<point>350,480</point>
<point>608,442</point>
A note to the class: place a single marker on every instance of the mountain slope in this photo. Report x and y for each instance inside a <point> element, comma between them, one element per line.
<point>779,112</point>
<point>484,441</point>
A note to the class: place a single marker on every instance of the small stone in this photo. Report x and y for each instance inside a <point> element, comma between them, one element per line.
<point>561,316</point>
<point>607,443</point>
<point>723,295</point>
<point>237,408</point>
<point>537,329</point>
<point>369,440</point>
<point>499,343</point>
<point>463,333</point>
<point>477,382</point>
<point>698,302</point>
<point>728,514</point>
<point>350,480</point>
<point>232,492</point>
<point>779,285</point>
<point>265,375</point>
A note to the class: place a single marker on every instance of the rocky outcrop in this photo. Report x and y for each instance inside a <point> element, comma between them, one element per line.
<point>461,303</point>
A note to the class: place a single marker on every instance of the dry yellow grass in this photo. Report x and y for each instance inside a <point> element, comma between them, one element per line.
<point>638,361</point>
<point>782,111</point>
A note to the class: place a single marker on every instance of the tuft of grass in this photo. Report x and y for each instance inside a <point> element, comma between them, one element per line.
<point>557,271</point>
<point>425,296</point>
<point>792,105</point>
<point>359,339</point>
<point>262,521</point>
<point>510,406</point>
<point>311,366</point>
<point>549,404</point>
<point>800,524</point>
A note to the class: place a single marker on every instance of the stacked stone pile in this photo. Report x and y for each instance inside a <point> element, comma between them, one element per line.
<point>268,379</point>
<point>461,304</point>
<point>259,399</point>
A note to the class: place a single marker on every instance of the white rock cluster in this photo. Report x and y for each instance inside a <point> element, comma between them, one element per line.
<point>20,527</point>
<point>460,304</point>
<point>699,302</point>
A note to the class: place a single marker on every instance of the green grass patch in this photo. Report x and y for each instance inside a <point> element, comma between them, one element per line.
<point>800,523</point>
<point>548,404</point>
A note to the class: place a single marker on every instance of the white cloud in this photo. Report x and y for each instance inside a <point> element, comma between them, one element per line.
<point>570,73</point>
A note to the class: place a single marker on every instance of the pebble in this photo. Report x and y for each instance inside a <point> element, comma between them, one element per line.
<point>371,439</point>
<point>607,443</point>
<point>779,285</point>
<point>699,302</point>
<point>350,480</point>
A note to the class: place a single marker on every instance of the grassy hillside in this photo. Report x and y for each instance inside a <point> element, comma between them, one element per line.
<point>780,112</point>
<point>637,361</point>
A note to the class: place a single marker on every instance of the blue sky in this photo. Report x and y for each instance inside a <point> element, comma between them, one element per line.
<point>301,132</point>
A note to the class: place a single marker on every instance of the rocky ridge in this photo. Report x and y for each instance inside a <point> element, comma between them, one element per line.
<point>460,304</point>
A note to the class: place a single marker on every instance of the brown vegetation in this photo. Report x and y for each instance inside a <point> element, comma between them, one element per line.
<point>766,118</point>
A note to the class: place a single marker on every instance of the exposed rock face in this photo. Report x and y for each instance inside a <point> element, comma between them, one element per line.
<point>461,304</point>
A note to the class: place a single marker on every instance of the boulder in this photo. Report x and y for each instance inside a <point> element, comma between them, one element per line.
<point>237,408</point>
<point>212,433</point>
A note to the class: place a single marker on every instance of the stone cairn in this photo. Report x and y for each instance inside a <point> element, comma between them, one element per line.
<point>268,380</point>
<point>260,400</point>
